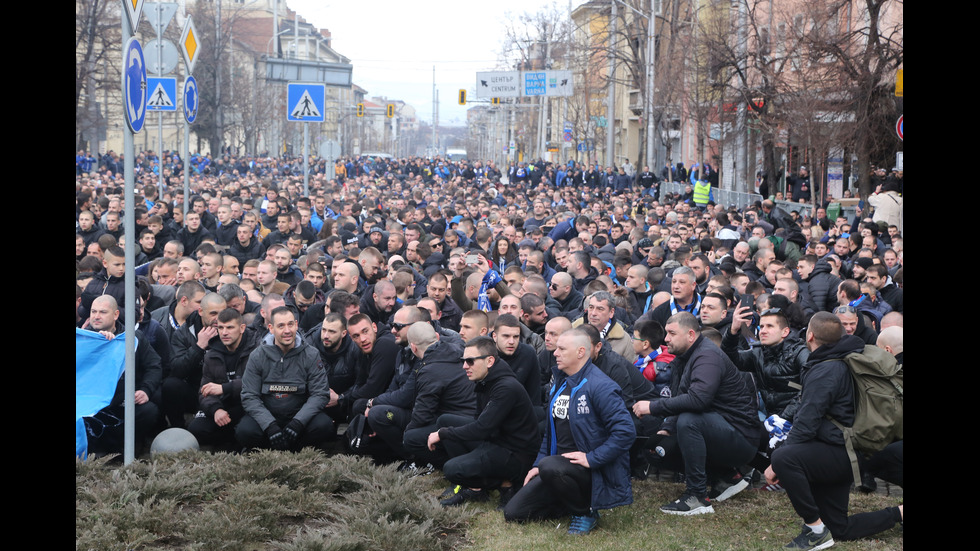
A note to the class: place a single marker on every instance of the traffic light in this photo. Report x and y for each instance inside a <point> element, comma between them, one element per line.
<point>390,112</point>
<point>495,101</point>
<point>462,97</point>
<point>360,109</point>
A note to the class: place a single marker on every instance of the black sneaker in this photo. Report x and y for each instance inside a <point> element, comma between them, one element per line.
<point>450,491</point>
<point>462,495</point>
<point>726,488</point>
<point>688,504</point>
<point>640,471</point>
<point>506,494</point>
<point>808,540</point>
<point>868,483</point>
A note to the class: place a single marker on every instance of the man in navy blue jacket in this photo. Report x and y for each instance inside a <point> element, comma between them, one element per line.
<point>583,463</point>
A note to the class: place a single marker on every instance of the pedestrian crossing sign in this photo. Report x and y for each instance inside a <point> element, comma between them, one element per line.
<point>163,93</point>
<point>304,102</point>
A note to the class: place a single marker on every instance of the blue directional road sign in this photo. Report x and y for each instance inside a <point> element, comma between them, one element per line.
<point>304,102</point>
<point>134,85</point>
<point>190,100</point>
<point>534,83</point>
<point>163,94</point>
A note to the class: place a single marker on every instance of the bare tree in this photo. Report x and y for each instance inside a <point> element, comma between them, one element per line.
<point>863,42</point>
<point>97,36</point>
<point>214,71</point>
<point>533,41</point>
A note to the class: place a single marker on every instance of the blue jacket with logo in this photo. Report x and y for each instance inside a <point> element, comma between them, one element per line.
<point>601,427</point>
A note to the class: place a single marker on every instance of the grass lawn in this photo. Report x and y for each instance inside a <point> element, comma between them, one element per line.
<point>750,520</point>
<point>308,501</point>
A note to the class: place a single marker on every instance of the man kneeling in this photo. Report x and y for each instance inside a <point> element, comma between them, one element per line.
<point>588,432</point>
<point>812,464</point>
<point>497,448</point>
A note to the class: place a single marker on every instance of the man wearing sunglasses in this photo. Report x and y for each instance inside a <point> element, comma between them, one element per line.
<point>498,447</point>
<point>569,299</point>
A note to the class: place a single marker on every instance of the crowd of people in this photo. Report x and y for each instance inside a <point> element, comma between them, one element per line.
<point>547,332</point>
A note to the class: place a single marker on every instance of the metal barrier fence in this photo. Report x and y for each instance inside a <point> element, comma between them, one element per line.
<point>721,196</point>
<point>742,199</point>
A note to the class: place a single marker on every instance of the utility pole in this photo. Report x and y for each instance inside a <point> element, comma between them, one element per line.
<point>611,89</point>
<point>435,101</point>
<point>740,176</point>
<point>651,83</point>
<point>217,82</point>
<point>543,100</point>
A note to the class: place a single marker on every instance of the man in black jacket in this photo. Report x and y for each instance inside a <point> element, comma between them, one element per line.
<point>711,410</point>
<point>188,345</point>
<point>812,464</point>
<point>389,413</point>
<point>340,357</point>
<point>775,365</point>
<point>440,387</point>
<point>221,380</point>
<point>499,446</point>
<point>376,366</point>
<point>521,358</point>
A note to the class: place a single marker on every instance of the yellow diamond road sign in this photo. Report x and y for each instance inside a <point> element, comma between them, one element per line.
<point>134,9</point>
<point>189,44</point>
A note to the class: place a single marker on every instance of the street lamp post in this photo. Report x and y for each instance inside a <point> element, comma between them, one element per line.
<point>650,74</point>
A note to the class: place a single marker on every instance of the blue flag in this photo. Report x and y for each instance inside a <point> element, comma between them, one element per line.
<point>99,363</point>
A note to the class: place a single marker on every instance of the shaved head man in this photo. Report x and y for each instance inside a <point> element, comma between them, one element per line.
<point>345,277</point>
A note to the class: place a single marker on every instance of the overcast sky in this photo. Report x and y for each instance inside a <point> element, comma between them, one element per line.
<point>393,45</point>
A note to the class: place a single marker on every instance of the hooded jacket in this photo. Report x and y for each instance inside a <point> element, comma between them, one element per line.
<point>581,283</point>
<point>828,393</point>
<point>571,306</point>
<point>441,386</point>
<point>103,284</point>
<point>821,287</point>
<point>279,387</point>
<point>505,415</point>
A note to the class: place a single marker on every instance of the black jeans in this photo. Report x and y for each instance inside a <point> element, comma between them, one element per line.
<point>389,423</point>
<point>817,478</point>
<point>480,464</point>
<point>208,432</point>
<point>708,441</point>
<point>177,397</point>
<point>318,431</point>
<point>559,489</point>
